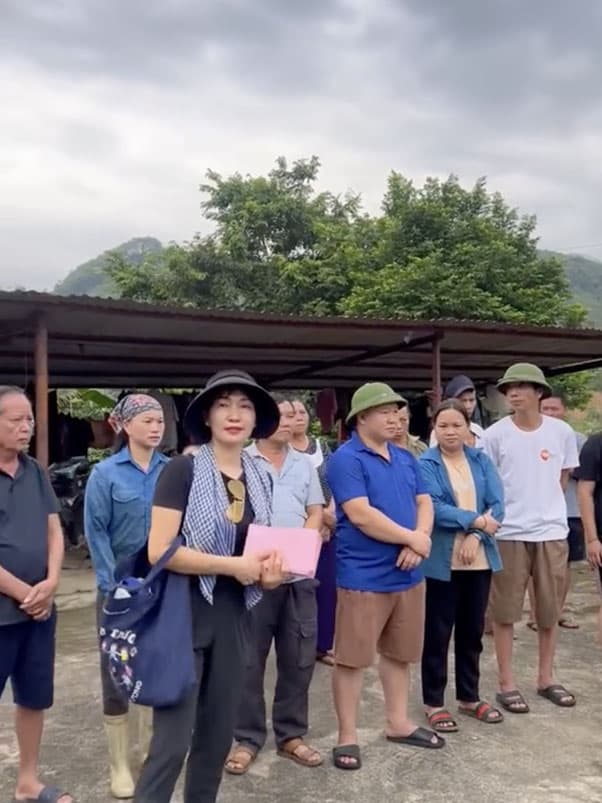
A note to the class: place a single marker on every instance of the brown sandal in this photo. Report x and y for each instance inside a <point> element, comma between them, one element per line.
<point>290,749</point>
<point>243,757</point>
<point>483,712</point>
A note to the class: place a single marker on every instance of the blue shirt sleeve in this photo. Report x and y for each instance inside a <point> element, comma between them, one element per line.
<point>97,518</point>
<point>421,488</point>
<point>345,477</point>
<point>447,516</point>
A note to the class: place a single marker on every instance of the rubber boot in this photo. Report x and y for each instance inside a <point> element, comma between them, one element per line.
<point>144,716</point>
<point>118,737</point>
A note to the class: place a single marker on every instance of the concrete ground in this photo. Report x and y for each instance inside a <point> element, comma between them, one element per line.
<point>549,756</point>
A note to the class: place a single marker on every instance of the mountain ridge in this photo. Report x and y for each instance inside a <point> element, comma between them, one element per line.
<point>584,275</point>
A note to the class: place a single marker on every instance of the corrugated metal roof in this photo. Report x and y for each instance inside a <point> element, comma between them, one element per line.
<point>115,342</point>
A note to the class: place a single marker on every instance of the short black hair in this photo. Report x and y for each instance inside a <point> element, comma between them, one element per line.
<point>557,393</point>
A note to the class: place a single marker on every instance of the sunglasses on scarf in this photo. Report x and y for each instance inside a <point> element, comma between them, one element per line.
<point>236,508</point>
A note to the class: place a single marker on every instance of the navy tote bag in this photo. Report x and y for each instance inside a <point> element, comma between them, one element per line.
<point>146,630</point>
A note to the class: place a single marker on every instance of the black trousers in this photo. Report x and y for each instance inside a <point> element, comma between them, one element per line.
<point>203,722</point>
<point>458,604</point>
<point>287,616</point>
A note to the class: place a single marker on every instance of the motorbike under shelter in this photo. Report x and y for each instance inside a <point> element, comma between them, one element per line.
<point>50,341</point>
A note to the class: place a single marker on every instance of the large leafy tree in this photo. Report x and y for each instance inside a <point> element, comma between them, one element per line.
<point>436,251</point>
<point>447,252</point>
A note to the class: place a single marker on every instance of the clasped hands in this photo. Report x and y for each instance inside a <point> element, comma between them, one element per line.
<point>39,601</point>
<point>413,554</point>
<point>266,568</point>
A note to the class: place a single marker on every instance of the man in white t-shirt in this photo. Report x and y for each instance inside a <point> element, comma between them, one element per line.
<point>534,455</point>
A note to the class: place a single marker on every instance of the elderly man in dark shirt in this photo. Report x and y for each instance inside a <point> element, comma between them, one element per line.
<point>31,554</point>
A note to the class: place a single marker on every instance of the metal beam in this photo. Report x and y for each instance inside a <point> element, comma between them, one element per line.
<point>406,343</point>
<point>574,368</point>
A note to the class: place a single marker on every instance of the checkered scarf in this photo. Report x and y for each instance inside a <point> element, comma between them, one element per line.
<point>206,526</point>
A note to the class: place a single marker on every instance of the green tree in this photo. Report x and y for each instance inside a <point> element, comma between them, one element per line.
<point>438,251</point>
<point>447,252</point>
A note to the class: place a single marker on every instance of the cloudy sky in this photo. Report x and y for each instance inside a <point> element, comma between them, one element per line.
<point>113,110</point>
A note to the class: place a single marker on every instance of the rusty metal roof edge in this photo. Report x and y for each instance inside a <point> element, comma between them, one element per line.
<point>41,299</point>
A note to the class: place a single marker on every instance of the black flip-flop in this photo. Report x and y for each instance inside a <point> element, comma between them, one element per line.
<point>509,698</point>
<point>49,794</point>
<point>557,694</point>
<point>342,751</point>
<point>421,737</point>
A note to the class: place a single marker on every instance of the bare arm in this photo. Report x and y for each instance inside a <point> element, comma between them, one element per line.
<point>565,476</point>
<point>165,526</point>
<point>56,549</point>
<point>39,600</point>
<point>314,518</point>
<point>585,497</point>
<point>375,524</point>
<point>425,514</point>
<point>329,516</point>
<point>12,587</point>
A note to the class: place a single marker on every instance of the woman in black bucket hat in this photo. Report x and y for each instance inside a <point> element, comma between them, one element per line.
<point>211,498</point>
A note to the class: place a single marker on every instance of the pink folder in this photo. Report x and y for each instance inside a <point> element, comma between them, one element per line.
<point>300,548</point>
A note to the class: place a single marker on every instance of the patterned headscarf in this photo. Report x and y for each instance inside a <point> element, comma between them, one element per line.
<point>132,405</point>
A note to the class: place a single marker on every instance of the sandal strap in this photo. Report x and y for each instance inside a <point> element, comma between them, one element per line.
<point>440,716</point>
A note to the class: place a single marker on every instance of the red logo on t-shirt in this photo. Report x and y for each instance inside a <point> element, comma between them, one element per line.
<point>545,455</point>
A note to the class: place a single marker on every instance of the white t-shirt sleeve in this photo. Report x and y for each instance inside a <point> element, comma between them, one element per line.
<point>570,457</point>
<point>489,444</point>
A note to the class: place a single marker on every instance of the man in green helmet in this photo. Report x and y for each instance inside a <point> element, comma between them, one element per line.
<point>384,521</point>
<point>534,455</point>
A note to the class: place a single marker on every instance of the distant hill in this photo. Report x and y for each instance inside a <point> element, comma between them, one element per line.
<point>90,279</point>
<point>585,277</point>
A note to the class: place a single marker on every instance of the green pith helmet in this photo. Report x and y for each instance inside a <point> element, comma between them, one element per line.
<point>373,394</point>
<point>524,372</point>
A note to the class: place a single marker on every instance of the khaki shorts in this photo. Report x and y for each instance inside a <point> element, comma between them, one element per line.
<point>546,563</point>
<point>390,623</point>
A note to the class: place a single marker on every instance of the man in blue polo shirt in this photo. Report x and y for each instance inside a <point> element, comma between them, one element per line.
<point>384,521</point>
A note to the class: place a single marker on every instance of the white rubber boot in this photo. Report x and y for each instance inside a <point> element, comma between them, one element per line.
<point>144,715</point>
<point>118,737</point>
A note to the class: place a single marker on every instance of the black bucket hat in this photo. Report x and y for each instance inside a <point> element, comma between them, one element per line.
<point>266,409</point>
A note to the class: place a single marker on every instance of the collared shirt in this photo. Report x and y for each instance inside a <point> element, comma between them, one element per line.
<point>117,511</point>
<point>296,487</point>
<point>26,501</point>
<point>391,486</point>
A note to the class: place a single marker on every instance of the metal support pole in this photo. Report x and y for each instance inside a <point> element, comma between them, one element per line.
<point>41,385</point>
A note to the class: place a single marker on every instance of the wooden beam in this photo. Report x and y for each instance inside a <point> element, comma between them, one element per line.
<point>41,386</point>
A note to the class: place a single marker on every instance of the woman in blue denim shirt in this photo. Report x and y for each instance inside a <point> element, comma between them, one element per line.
<point>469,506</point>
<point>117,520</point>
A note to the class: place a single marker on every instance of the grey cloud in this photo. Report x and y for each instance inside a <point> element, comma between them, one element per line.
<point>159,40</point>
<point>508,89</point>
<point>540,60</point>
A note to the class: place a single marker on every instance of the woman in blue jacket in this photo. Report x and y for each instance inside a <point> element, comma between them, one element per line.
<point>116,521</point>
<point>469,506</point>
